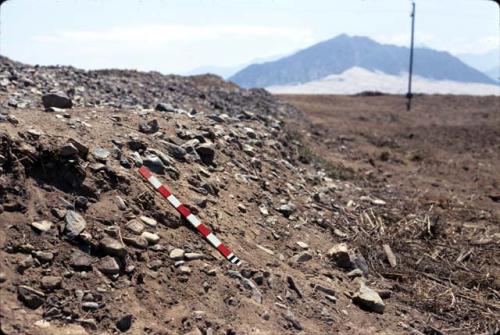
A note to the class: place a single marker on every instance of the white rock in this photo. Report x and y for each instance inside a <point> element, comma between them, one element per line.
<point>149,221</point>
<point>42,226</point>
<point>177,254</point>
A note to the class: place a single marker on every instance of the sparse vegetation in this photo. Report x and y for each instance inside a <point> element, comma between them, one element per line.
<point>307,155</point>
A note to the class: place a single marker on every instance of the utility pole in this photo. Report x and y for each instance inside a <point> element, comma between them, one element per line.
<point>409,95</point>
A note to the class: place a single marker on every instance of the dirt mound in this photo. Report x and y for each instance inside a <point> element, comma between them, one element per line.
<point>88,246</point>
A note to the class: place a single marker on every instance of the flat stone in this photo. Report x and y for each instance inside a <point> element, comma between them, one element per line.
<point>135,227</point>
<point>58,100</point>
<point>51,283</point>
<point>42,226</point>
<point>369,300</point>
<point>137,242</point>
<point>43,256</point>
<point>81,261</point>
<point>302,257</point>
<point>166,107</point>
<point>186,270</point>
<point>192,256</point>
<point>108,266</point>
<point>302,245</point>
<point>149,221</point>
<point>177,254</point>
<point>101,154</point>
<point>75,224</point>
<point>150,237</point>
<point>30,297</point>
<point>175,150</point>
<point>112,247</point>
<point>324,289</point>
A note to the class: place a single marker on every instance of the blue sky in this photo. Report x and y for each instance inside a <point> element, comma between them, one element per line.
<point>175,36</point>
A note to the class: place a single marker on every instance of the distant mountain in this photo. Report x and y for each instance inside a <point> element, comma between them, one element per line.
<point>227,71</point>
<point>343,52</point>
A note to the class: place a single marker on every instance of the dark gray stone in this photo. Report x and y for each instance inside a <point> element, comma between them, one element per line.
<point>58,100</point>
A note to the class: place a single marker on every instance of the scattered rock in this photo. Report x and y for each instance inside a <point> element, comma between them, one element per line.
<point>174,150</point>
<point>124,323</point>
<point>165,107</point>
<point>101,154</point>
<point>58,100</point>
<point>113,247</point>
<point>50,283</point>
<point>302,245</point>
<point>302,257</point>
<point>75,224</point>
<point>369,300</point>
<point>390,255</point>
<point>154,163</point>
<point>150,127</point>
<point>149,221</point>
<point>90,306</point>
<point>286,209</point>
<point>42,226</point>
<point>290,317</point>
<point>150,237</point>
<point>80,261</point>
<point>176,254</point>
<point>30,297</point>
<point>108,266</point>
<point>342,256</point>
<point>120,203</point>
<point>135,227</point>
<point>206,151</point>
<point>192,256</point>
<point>185,270</point>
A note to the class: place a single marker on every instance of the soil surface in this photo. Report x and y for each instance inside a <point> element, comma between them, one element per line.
<point>439,164</point>
<point>350,216</point>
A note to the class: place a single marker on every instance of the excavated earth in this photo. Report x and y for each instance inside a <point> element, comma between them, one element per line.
<point>88,247</point>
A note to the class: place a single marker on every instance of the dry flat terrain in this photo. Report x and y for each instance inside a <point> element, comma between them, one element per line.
<point>440,165</point>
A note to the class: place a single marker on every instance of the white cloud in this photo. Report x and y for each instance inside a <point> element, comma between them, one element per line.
<point>175,33</point>
<point>454,45</point>
<point>168,48</point>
